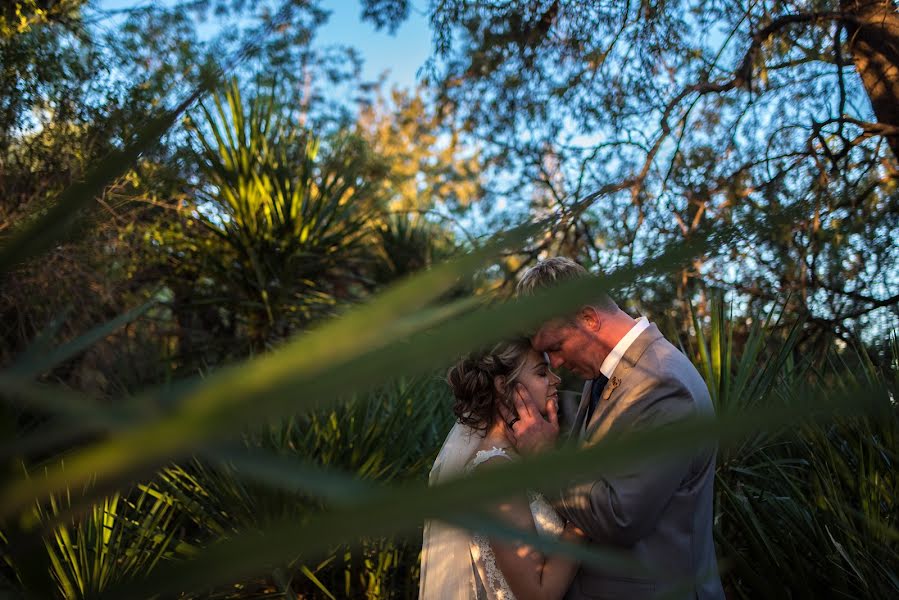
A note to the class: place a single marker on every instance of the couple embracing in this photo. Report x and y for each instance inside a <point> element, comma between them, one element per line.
<point>507,405</point>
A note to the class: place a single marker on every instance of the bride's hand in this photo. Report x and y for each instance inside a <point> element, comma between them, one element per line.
<point>529,431</point>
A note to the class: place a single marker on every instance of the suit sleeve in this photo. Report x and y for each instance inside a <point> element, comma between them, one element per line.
<point>622,507</point>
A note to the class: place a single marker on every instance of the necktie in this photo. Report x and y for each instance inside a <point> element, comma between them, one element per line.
<point>598,384</point>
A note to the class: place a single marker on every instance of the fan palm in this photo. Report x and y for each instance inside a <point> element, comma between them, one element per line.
<point>287,212</point>
<point>408,243</point>
<point>119,538</point>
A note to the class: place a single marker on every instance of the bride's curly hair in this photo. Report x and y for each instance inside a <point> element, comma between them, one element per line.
<point>471,379</point>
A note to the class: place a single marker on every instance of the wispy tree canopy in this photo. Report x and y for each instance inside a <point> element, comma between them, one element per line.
<point>690,113</point>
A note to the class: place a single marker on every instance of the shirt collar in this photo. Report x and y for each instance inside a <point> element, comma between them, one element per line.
<point>608,365</point>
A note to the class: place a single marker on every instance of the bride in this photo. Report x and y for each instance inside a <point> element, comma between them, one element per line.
<point>456,564</point>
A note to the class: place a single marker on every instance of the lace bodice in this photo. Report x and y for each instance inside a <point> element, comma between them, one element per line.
<point>492,584</point>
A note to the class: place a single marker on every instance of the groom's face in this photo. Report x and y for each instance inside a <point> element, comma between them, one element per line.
<point>566,344</point>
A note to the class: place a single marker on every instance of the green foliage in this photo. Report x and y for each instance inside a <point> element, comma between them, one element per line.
<point>51,125</point>
<point>372,343</point>
<point>429,163</point>
<point>390,434</point>
<point>408,243</point>
<point>398,428</point>
<point>287,213</point>
<point>300,471</point>
<point>121,537</point>
<point>809,512</point>
<point>77,85</point>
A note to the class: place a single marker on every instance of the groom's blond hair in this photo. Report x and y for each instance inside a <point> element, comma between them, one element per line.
<point>552,271</point>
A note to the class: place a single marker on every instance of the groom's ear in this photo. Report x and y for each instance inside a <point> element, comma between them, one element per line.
<point>589,318</point>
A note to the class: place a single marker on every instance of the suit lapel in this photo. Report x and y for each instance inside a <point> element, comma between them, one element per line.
<point>619,383</point>
<point>633,354</point>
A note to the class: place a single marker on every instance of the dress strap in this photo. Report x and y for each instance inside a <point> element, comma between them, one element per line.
<point>485,455</point>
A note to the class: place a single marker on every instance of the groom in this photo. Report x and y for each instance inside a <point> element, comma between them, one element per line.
<point>660,512</point>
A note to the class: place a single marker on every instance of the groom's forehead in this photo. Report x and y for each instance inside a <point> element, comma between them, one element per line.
<point>550,333</point>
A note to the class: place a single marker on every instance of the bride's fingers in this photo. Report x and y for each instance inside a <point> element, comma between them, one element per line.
<point>507,417</point>
<point>521,405</point>
<point>552,412</point>
<point>510,433</point>
<point>505,413</point>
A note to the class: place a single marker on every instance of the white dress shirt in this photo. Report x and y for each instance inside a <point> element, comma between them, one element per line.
<point>608,365</point>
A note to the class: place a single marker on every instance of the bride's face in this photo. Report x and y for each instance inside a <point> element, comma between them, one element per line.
<point>539,381</point>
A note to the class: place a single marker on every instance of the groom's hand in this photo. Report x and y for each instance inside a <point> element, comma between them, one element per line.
<point>529,431</point>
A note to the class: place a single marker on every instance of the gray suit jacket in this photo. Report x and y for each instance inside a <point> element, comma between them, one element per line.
<point>660,512</point>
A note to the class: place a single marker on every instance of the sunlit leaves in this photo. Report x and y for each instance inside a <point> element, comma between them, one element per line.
<point>429,163</point>
<point>287,210</point>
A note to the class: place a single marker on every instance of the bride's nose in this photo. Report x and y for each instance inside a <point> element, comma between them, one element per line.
<point>555,378</point>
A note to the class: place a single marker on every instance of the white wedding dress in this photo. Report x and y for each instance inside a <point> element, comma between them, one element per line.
<point>491,584</point>
<point>457,564</point>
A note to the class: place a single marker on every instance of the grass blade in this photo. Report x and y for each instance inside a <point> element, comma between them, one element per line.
<point>35,365</point>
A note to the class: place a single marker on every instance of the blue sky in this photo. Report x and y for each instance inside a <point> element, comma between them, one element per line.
<point>401,54</point>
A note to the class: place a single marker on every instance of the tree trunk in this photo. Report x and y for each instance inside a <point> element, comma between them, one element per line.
<point>874,43</point>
